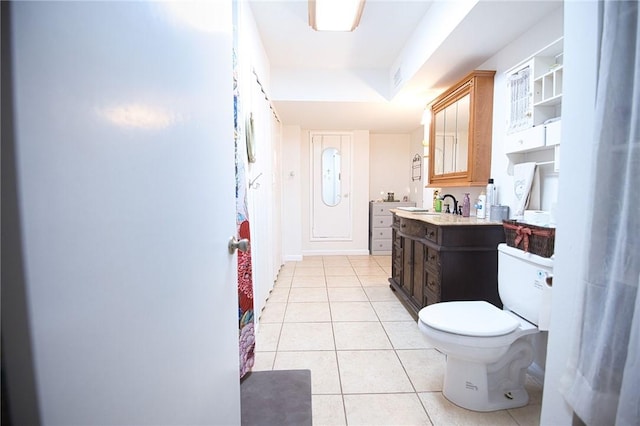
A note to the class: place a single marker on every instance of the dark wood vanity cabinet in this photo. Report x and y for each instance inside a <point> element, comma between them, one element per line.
<point>438,263</point>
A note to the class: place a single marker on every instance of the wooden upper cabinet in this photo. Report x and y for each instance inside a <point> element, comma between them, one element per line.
<point>460,133</point>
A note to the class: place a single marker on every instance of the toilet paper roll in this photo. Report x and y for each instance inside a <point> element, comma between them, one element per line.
<point>545,306</point>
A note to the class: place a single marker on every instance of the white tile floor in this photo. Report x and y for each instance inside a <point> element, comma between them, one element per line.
<point>370,365</point>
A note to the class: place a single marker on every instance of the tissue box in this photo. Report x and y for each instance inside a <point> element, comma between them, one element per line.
<point>534,239</point>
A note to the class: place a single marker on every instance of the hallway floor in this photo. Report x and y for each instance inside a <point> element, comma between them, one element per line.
<point>370,365</point>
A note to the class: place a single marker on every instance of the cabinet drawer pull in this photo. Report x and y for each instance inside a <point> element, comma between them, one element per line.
<point>432,233</point>
<point>432,257</point>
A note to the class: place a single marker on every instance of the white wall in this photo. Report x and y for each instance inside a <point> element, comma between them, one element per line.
<point>292,180</point>
<point>416,147</point>
<point>264,197</point>
<point>389,166</point>
<point>578,151</point>
<point>542,34</point>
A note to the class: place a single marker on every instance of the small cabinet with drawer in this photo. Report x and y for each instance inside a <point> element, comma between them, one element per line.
<point>437,263</point>
<point>380,219</point>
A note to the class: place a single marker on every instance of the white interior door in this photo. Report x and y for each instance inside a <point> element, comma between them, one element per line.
<point>125,164</point>
<point>331,187</point>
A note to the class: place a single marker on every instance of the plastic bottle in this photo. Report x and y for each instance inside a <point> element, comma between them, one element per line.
<point>492,198</point>
<point>438,204</point>
<point>435,199</point>
<point>466,205</point>
<point>481,207</point>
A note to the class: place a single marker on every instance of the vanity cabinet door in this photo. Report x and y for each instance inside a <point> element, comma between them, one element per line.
<point>408,270</point>
<point>417,291</point>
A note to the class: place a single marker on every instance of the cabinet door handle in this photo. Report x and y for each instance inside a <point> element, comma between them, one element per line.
<point>432,257</point>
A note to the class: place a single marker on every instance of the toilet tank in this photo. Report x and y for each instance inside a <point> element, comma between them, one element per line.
<point>522,283</point>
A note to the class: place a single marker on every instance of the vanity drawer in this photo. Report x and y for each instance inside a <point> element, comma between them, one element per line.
<point>381,233</point>
<point>378,210</point>
<point>381,245</point>
<point>432,259</point>
<point>412,228</point>
<point>381,221</point>
<point>431,298</point>
<point>418,229</point>
<point>431,232</point>
<point>432,283</point>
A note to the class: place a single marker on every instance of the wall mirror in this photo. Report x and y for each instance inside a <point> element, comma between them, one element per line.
<point>331,177</point>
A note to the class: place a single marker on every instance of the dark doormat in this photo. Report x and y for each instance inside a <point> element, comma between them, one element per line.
<point>278,398</point>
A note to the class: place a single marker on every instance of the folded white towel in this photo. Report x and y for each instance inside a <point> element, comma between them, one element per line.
<point>525,177</point>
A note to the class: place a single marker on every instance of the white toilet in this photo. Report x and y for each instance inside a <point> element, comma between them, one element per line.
<point>488,350</point>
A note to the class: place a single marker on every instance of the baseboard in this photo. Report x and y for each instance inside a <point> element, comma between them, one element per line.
<point>355,252</point>
<point>293,258</point>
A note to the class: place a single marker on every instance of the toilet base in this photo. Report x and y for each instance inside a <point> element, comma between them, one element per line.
<point>490,387</point>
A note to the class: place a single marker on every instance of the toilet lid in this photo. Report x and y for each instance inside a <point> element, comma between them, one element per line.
<point>473,318</point>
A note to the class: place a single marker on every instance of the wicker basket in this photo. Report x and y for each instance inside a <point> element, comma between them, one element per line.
<point>530,238</point>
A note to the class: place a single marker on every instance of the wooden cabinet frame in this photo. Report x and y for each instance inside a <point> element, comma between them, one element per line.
<point>479,85</point>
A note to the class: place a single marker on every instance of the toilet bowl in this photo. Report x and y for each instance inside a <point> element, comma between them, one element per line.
<point>486,367</point>
<point>488,350</point>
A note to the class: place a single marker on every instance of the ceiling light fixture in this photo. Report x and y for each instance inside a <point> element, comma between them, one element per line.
<point>335,15</point>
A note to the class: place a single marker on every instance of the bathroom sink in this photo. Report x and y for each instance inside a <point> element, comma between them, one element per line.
<point>412,209</point>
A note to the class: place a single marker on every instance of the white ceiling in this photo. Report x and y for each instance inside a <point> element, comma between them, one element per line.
<point>343,81</point>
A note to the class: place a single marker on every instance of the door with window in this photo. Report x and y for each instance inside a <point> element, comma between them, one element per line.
<point>331,186</point>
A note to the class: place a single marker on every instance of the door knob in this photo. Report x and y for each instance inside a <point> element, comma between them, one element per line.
<point>242,245</point>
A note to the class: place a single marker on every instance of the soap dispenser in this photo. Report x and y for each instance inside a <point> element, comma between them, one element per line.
<point>438,207</point>
<point>466,205</point>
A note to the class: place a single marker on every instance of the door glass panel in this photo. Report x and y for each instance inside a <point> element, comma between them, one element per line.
<point>519,88</point>
<point>450,138</point>
<point>462,134</point>
<point>438,154</point>
<point>331,177</point>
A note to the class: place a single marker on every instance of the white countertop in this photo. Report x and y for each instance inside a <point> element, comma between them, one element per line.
<point>445,219</point>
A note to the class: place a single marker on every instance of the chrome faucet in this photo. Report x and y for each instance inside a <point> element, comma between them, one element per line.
<point>455,202</point>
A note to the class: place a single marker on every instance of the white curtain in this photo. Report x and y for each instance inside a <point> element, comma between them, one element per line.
<point>603,383</point>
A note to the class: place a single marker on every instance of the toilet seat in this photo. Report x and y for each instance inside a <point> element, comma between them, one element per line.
<point>469,318</point>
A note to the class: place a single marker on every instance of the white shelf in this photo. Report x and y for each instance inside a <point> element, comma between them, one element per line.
<point>535,98</point>
<point>547,89</point>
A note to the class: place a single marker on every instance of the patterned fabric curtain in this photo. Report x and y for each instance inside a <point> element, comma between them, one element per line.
<point>245,276</point>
